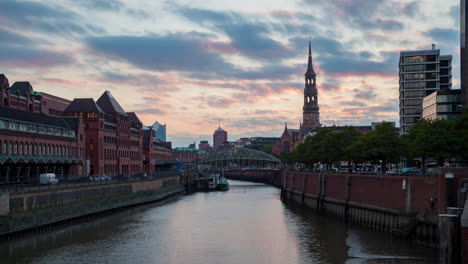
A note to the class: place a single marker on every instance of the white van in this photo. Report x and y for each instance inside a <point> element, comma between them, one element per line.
<point>48,178</point>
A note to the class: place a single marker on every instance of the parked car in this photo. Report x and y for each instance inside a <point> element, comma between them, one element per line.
<point>101,177</point>
<point>122,177</point>
<point>48,179</point>
<point>410,171</point>
<point>140,175</point>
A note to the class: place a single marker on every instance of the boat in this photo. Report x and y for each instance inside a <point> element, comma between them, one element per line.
<point>223,184</point>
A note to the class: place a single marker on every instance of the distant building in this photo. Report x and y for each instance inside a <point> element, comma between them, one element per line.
<point>443,104</point>
<point>220,136</point>
<point>157,155</point>
<point>189,154</point>
<point>255,142</point>
<point>204,145</point>
<point>160,131</point>
<point>114,138</point>
<point>310,110</point>
<point>421,73</point>
<point>374,124</point>
<point>310,113</point>
<point>464,52</point>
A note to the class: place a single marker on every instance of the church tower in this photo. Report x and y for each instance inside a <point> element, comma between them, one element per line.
<point>311,109</point>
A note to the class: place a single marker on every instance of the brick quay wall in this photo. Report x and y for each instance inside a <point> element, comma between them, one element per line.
<point>22,211</point>
<point>403,205</point>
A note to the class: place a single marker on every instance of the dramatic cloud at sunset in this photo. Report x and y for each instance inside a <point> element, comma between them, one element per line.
<point>189,63</point>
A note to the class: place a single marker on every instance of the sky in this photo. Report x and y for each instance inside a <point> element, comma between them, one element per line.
<point>191,63</point>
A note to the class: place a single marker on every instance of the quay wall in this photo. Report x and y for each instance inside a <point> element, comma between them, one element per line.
<point>403,205</point>
<point>21,211</point>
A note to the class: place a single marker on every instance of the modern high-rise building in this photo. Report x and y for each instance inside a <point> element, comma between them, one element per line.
<point>421,73</point>
<point>463,53</point>
<point>219,137</point>
<point>442,104</point>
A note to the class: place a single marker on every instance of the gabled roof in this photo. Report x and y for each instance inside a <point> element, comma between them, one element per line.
<point>83,105</point>
<point>108,103</point>
<point>21,88</point>
<point>3,81</point>
<point>292,131</point>
<point>133,117</point>
<point>306,130</point>
<point>38,119</point>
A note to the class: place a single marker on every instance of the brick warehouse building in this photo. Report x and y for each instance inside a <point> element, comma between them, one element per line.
<point>157,155</point>
<point>34,139</point>
<point>114,138</point>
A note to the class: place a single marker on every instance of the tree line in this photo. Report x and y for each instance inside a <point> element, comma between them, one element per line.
<point>437,139</point>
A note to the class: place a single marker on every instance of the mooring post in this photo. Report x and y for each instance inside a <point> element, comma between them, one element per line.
<point>304,182</point>
<point>408,195</point>
<point>348,189</point>
<point>449,251</point>
<point>283,184</point>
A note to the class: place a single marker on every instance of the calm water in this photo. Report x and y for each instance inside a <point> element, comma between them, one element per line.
<point>247,224</point>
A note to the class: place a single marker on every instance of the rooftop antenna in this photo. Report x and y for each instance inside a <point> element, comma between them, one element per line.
<point>219,122</point>
<point>433,46</point>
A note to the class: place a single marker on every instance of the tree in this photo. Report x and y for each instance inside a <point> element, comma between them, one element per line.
<point>267,149</point>
<point>432,138</point>
<point>346,138</point>
<point>383,143</point>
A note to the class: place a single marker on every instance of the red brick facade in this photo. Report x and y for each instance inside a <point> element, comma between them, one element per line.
<point>114,138</point>
<point>32,141</point>
<point>157,155</point>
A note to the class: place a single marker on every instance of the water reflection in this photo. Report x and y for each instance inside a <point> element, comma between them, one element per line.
<point>247,224</point>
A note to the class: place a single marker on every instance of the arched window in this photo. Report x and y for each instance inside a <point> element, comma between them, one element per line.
<point>26,146</point>
<point>16,148</point>
<point>40,150</point>
<point>4,149</point>
<point>313,98</point>
<point>10,148</point>
<point>307,99</point>
<point>35,150</point>
<point>31,149</point>
<point>21,148</point>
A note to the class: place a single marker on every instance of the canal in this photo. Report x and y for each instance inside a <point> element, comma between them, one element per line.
<point>247,224</point>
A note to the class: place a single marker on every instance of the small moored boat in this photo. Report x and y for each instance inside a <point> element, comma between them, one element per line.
<point>223,184</point>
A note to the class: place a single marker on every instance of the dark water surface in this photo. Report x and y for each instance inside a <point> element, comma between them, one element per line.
<point>247,224</point>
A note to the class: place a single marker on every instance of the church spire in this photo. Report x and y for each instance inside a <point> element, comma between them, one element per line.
<point>310,66</point>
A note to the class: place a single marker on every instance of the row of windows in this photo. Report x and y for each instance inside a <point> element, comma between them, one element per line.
<point>112,154</point>
<point>159,156</point>
<point>34,149</point>
<point>413,102</point>
<point>419,85</point>
<point>36,129</point>
<point>419,67</point>
<point>412,94</point>
<point>110,140</point>
<point>411,111</point>
<point>113,168</point>
<point>420,59</point>
<point>420,76</point>
<point>84,115</point>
